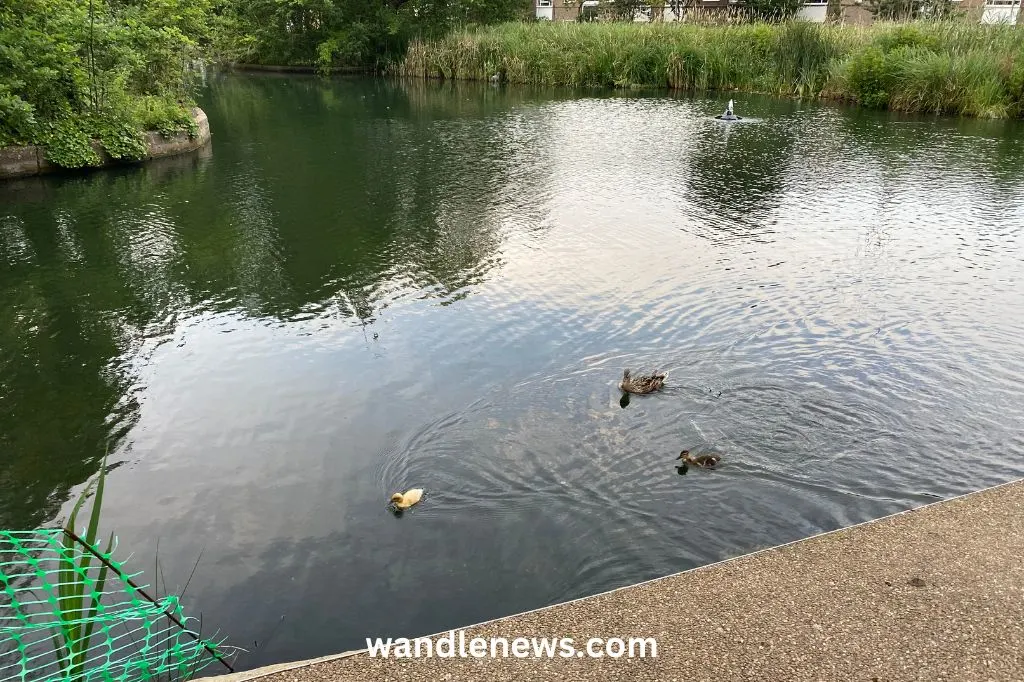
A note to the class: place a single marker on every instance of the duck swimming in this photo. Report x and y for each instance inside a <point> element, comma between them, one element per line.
<point>641,384</point>
<point>705,461</point>
<point>407,499</point>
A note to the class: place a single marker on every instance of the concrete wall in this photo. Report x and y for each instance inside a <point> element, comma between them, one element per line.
<point>815,12</point>
<point>565,12</point>
<point>19,162</point>
<point>856,13</point>
<point>1000,14</point>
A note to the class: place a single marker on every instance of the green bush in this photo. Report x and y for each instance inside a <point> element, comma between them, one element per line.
<point>951,67</point>
<point>68,144</point>
<point>773,10</point>
<point>17,118</point>
<point>166,116</point>
<point>908,35</point>
<point>329,33</point>
<point>121,139</point>
<point>73,71</point>
<point>866,77</point>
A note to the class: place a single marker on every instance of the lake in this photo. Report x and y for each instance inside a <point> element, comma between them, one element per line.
<point>363,286</point>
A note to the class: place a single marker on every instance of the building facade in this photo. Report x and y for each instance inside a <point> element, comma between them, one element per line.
<point>853,11</point>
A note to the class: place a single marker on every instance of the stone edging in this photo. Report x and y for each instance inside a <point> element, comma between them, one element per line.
<point>275,68</point>
<point>20,162</point>
<point>270,670</point>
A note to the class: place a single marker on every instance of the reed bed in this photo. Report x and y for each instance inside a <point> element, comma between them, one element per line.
<point>953,67</point>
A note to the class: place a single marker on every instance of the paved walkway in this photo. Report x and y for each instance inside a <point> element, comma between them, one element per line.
<point>931,594</point>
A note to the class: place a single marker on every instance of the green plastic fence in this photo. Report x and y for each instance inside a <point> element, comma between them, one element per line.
<point>70,612</point>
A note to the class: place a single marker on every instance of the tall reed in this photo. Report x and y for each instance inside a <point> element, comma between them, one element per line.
<point>78,593</point>
<point>929,66</point>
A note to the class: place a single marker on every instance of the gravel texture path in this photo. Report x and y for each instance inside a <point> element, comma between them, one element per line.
<point>935,593</point>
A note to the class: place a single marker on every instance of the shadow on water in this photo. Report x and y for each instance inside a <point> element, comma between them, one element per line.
<point>364,286</point>
<point>93,282</point>
<point>736,172</point>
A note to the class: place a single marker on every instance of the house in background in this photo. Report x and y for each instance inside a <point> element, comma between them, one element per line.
<point>1001,11</point>
<point>853,11</point>
<point>815,10</point>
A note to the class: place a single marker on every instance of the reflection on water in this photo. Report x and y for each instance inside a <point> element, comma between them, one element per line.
<point>366,286</point>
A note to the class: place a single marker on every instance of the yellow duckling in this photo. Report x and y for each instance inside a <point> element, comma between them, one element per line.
<point>407,499</point>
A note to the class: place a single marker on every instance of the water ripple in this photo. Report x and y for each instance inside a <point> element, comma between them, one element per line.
<point>370,286</point>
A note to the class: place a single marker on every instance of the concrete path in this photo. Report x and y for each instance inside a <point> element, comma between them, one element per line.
<point>931,594</point>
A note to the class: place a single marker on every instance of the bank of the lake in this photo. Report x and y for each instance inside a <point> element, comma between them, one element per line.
<point>931,593</point>
<point>28,160</point>
<point>938,67</point>
<point>305,69</point>
<point>368,284</point>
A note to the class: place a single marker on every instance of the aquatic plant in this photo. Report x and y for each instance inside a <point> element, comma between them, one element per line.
<point>78,595</point>
<point>927,66</point>
<point>74,614</point>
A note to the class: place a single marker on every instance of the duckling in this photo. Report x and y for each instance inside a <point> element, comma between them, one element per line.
<point>407,499</point>
<point>641,384</point>
<point>705,461</point>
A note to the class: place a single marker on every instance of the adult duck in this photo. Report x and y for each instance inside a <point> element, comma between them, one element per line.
<point>648,383</point>
<point>703,461</point>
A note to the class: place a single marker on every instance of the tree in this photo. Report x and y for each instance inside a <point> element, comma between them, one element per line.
<point>894,10</point>
<point>773,10</point>
<point>343,32</point>
<point>834,10</point>
<point>626,10</point>
<point>76,70</point>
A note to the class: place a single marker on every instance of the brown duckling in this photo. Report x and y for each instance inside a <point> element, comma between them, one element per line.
<point>641,384</point>
<point>705,461</point>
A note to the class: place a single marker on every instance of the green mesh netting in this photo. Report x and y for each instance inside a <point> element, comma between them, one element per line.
<point>70,612</point>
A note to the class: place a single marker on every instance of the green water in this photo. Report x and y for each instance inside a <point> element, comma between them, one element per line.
<point>363,286</point>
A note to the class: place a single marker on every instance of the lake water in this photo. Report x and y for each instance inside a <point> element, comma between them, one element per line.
<point>364,286</point>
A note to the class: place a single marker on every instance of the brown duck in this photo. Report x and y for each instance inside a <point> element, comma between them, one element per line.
<point>641,384</point>
<point>705,461</point>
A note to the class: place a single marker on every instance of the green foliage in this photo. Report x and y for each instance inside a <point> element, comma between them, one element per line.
<point>72,71</point>
<point>939,67</point>
<point>894,10</point>
<point>773,10</point>
<point>626,10</point>
<point>330,33</point>
<point>867,79</point>
<point>907,35</point>
<point>803,54</point>
<point>68,144</point>
<point>121,139</point>
<point>78,599</point>
<point>1013,74</point>
<point>166,116</point>
<point>950,67</point>
<point>17,118</point>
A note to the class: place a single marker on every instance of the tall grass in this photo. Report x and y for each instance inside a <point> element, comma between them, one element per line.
<point>944,67</point>
<point>78,597</point>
